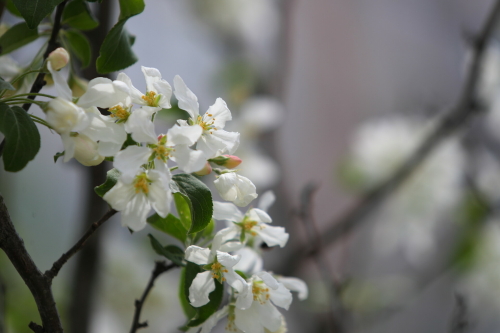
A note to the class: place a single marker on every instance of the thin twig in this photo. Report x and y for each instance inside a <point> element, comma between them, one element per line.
<point>56,267</point>
<point>459,321</point>
<point>160,268</point>
<point>449,124</point>
<point>51,46</point>
<point>39,285</point>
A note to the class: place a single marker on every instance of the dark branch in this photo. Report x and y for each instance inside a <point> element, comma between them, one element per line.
<point>51,46</point>
<point>39,285</point>
<point>459,321</point>
<point>160,268</point>
<point>449,124</point>
<point>56,267</point>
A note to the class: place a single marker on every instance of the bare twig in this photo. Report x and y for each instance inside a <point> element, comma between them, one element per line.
<point>160,268</point>
<point>449,124</point>
<point>39,285</point>
<point>459,322</point>
<point>51,46</point>
<point>56,267</point>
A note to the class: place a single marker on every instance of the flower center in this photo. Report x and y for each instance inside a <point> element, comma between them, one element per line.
<point>206,125</point>
<point>120,113</point>
<point>151,98</point>
<point>141,184</point>
<point>248,225</point>
<point>218,270</point>
<point>260,292</point>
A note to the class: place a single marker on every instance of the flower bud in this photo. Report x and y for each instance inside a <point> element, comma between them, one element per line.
<point>58,58</point>
<point>228,161</point>
<point>207,169</point>
<point>86,151</point>
<point>65,116</point>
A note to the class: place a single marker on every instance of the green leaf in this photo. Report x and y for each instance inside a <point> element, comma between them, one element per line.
<point>34,11</point>
<point>111,179</point>
<point>12,9</point>
<point>199,199</point>
<point>183,210</point>
<point>116,50</point>
<point>22,140</point>
<point>189,310</point>
<point>77,14</point>
<point>205,311</point>
<point>170,225</point>
<point>57,155</point>
<point>17,36</point>
<point>79,45</point>
<point>6,85</point>
<point>171,252</point>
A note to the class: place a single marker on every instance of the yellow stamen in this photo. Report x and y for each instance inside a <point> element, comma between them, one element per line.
<point>119,112</point>
<point>150,98</point>
<point>142,184</point>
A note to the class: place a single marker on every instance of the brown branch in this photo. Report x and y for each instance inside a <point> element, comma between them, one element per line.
<point>160,268</point>
<point>39,285</point>
<point>56,267</point>
<point>449,124</point>
<point>51,46</point>
<point>459,321</point>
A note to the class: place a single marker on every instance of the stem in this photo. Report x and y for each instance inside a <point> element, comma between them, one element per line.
<point>30,94</point>
<point>39,285</point>
<point>56,267</point>
<point>160,268</point>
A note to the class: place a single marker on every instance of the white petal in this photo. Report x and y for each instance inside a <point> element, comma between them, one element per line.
<point>266,200</point>
<point>210,323</point>
<point>273,236</point>
<point>203,284</point>
<point>250,262</point>
<point>86,151</point>
<point>249,320</point>
<point>141,127</point>
<point>218,112</point>
<point>62,87</point>
<point>69,146</point>
<point>245,297</point>
<point>102,128</point>
<point>218,142</point>
<point>161,198</point>
<point>270,317</point>
<point>135,94</point>
<point>151,75</point>
<point>101,92</point>
<point>227,240</point>
<point>234,280</point>
<point>183,135</point>
<point>198,255</point>
<point>258,215</point>
<point>295,284</point>
<point>163,88</point>
<point>134,215</point>
<point>65,116</point>
<point>227,211</point>
<point>268,279</point>
<point>119,196</point>
<point>226,259</point>
<point>187,99</point>
<point>109,148</point>
<point>129,161</point>
<point>189,160</point>
<point>281,297</point>
<point>235,188</point>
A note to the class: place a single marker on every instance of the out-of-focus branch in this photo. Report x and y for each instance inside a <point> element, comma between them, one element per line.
<point>3,301</point>
<point>160,268</point>
<point>459,322</point>
<point>449,124</point>
<point>39,285</point>
<point>56,267</point>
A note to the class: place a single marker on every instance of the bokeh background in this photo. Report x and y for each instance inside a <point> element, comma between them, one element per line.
<point>329,95</point>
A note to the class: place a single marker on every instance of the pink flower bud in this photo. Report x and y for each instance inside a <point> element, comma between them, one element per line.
<point>228,161</point>
<point>58,58</point>
<point>207,169</point>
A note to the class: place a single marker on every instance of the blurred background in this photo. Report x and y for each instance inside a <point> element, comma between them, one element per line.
<point>330,97</point>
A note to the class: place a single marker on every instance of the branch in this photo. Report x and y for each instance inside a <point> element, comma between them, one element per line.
<point>459,322</point>
<point>56,267</point>
<point>39,285</point>
<point>160,268</point>
<point>450,123</point>
<point>51,46</point>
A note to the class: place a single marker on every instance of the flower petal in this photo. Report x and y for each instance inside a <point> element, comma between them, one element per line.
<point>129,161</point>
<point>134,215</point>
<point>273,236</point>
<point>62,87</point>
<point>218,142</point>
<point>202,285</point>
<point>281,297</point>
<point>258,215</point>
<point>198,255</point>
<point>268,279</point>
<point>189,160</point>
<point>134,93</point>
<point>226,259</point>
<point>141,127</point>
<point>218,113</point>
<point>119,196</point>
<point>295,284</point>
<point>101,92</point>
<point>187,99</point>
<point>227,211</point>
<point>183,135</point>
<point>266,200</point>
<point>161,198</point>
<point>270,317</point>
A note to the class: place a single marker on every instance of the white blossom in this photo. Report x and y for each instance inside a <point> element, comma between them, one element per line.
<point>235,188</point>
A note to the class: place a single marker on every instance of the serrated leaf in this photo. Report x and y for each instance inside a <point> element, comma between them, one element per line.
<point>111,178</point>
<point>116,50</point>
<point>171,252</point>
<point>6,85</point>
<point>199,199</point>
<point>77,14</point>
<point>34,11</point>
<point>22,139</point>
<point>170,225</point>
<point>79,45</point>
<point>17,36</point>
<point>57,155</point>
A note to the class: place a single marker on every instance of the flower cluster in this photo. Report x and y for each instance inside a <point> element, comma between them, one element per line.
<point>143,157</point>
<point>145,160</point>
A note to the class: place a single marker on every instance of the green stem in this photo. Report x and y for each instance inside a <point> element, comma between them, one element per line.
<point>29,94</point>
